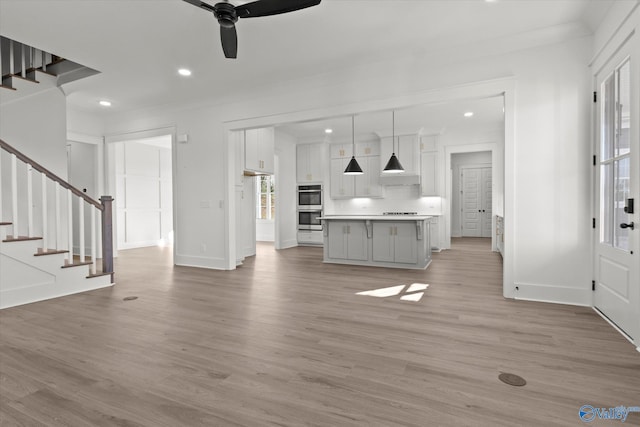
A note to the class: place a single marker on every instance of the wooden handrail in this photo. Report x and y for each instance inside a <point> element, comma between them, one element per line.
<point>50,175</point>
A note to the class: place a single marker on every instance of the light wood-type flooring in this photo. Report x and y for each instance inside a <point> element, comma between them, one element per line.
<point>285,341</point>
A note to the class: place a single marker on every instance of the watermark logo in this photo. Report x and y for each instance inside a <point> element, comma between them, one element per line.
<point>588,413</point>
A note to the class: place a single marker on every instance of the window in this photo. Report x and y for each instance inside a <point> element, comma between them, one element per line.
<point>266,206</point>
<point>615,156</point>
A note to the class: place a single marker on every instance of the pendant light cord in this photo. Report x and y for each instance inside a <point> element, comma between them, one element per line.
<point>393,131</point>
<point>353,136</point>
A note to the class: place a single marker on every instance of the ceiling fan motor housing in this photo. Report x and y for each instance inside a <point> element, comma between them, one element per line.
<point>226,14</point>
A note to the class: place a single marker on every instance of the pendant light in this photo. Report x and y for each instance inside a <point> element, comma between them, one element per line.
<point>393,165</point>
<point>353,168</point>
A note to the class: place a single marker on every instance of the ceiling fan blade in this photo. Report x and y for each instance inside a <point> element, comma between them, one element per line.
<point>229,39</point>
<point>200,4</point>
<point>272,7</point>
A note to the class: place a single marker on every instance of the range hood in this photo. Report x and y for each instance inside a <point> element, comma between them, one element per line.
<point>399,179</point>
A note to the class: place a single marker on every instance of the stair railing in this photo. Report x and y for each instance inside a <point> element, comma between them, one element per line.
<point>22,58</point>
<point>104,206</point>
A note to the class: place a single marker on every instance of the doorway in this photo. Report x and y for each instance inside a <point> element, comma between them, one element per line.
<point>472,190</point>
<point>143,192</point>
<point>617,245</point>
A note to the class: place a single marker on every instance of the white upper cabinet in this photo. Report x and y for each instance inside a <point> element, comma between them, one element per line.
<point>309,162</point>
<point>406,149</point>
<point>428,142</point>
<point>368,148</point>
<point>338,151</point>
<point>349,186</point>
<point>368,184</point>
<point>429,165</point>
<point>342,186</point>
<point>429,173</point>
<point>259,150</point>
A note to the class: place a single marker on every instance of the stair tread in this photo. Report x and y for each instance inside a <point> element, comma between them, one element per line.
<point>98,275</point>
<point>77,264</point>
<point>40,70</point>
<point>18,76</point>
<point>6,223</point>
<point>20,239</point>
<point>50,252</point>
<point>7,87</point>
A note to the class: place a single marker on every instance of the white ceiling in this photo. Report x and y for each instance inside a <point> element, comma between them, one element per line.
<point>488,114</point>
<point>138,45</point>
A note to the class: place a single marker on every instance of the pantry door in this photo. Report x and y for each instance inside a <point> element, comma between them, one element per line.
<point>617,245</point>
<point>476,201</point>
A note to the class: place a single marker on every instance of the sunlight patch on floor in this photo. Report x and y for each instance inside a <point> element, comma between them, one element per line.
<point>414,292</point>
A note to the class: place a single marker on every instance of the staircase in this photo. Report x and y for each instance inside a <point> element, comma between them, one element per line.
<point>49,245</point>
<point>26,70</point>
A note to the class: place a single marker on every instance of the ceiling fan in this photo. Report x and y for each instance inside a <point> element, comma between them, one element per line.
<point>227,15</point>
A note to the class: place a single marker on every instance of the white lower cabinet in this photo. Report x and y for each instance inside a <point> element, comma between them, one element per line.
<point>374,241</point>
<point>434,233</point>
<point>395,242</point>
<point>348,240</point>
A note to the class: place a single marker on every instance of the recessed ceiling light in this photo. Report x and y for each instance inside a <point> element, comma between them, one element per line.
<point>184,72</point>
<point>468,114</point>
<point>328,130</point>
<point>105,103</point>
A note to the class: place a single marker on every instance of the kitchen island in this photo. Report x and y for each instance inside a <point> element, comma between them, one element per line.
<point>397,241</point>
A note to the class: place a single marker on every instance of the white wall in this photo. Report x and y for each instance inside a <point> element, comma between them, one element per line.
<point>286,202</point>
<point>36,126</point>
<point>551,102</point>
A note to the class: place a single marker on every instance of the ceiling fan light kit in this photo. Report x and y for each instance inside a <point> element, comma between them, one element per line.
<point>228,14</point>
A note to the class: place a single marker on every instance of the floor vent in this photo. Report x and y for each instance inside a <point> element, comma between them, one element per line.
<point>512,379</point>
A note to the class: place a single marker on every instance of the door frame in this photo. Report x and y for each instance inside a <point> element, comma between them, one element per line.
<point>503,162</point>
<point>627,44</point>
<point>110,174</point>
<point>497,204</point>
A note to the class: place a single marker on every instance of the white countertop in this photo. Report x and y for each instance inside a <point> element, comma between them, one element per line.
<point>378,217</point>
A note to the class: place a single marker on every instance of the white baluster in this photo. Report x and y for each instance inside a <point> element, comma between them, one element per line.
<point>14,195</point>
<point>45,215</point>
<point>81,227</point>
<point>94,254</point>
<point>70,226</point>
<point>58,235</point>
<point>44,60</point>
<point>12,66</point>
<point>23,62</point>
<point>29,200</point>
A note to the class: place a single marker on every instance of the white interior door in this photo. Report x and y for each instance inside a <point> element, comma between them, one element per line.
<point>476,201</point>
<point>617,246</point>
<point>471,182</point>
<point>486,202</point>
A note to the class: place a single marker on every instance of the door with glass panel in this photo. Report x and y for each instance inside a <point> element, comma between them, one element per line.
<point>617,246</point>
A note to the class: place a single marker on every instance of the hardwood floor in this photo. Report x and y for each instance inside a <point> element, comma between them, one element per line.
<point>284,340</point>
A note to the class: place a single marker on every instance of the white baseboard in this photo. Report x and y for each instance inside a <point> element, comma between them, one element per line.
<point>46,291</point>
<point>201,262</point>
<point>553,294</point>
<point>286,244</point>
